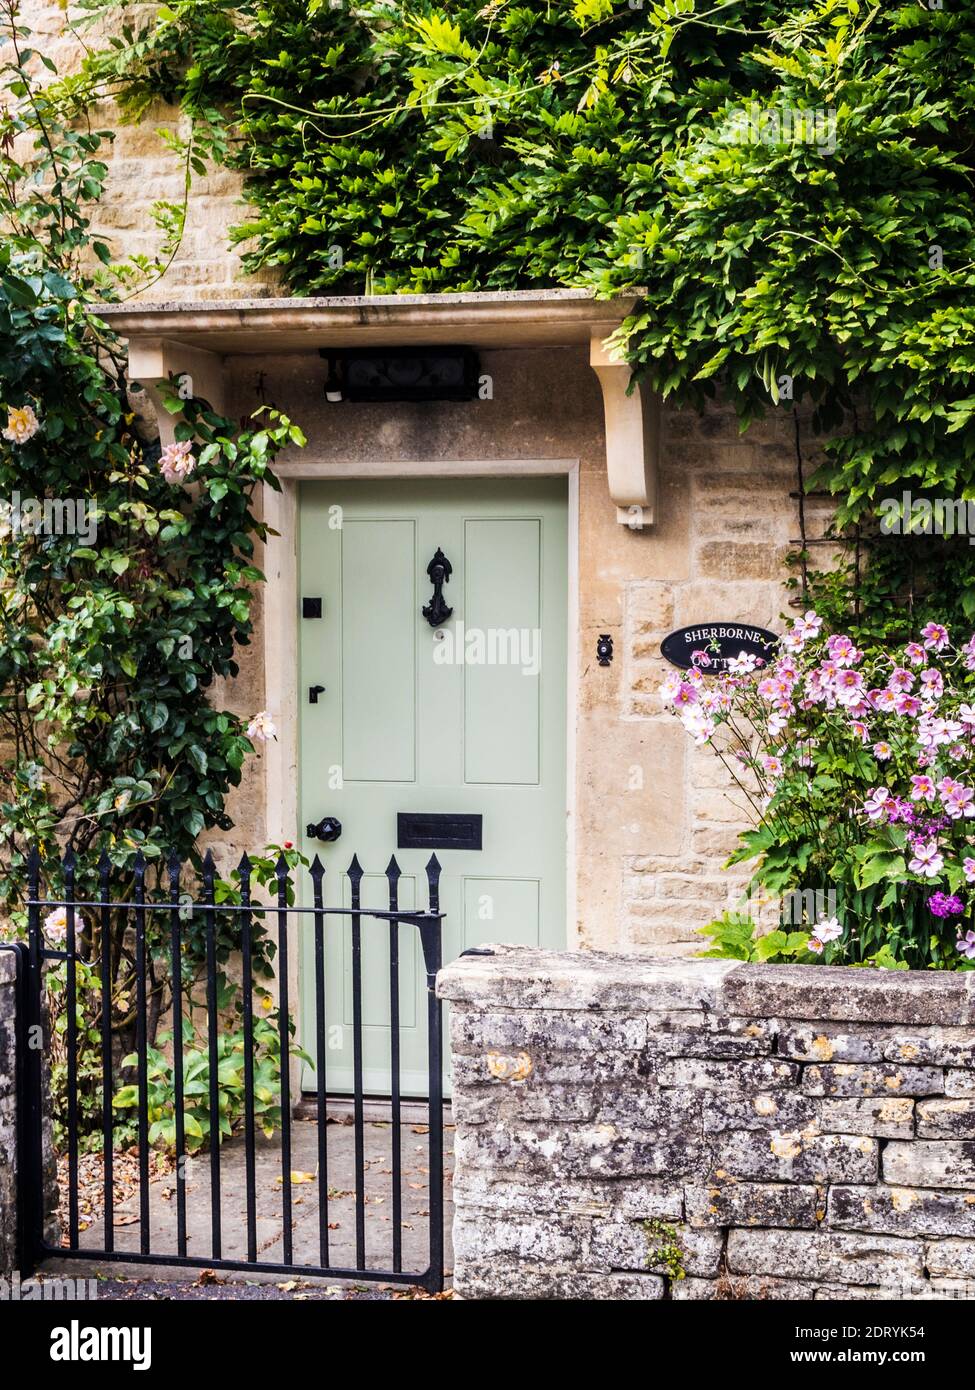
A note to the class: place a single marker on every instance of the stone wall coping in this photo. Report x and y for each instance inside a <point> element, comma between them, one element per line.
<point>493,319</point>
<point>8,967</point>
<point>524,977</point>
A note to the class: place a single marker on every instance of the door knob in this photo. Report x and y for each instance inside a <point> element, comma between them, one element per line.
<point>327,829</point>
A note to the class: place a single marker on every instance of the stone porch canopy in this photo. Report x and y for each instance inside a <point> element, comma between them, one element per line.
<point>167,339</point>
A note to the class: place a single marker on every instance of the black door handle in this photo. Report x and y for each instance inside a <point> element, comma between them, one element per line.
<point>327,829</point>
<point>313,693</point>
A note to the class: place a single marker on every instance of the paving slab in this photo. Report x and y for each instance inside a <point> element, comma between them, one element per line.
<point>337,1185</point>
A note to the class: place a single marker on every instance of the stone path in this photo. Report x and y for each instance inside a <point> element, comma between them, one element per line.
<point>306,1185</point>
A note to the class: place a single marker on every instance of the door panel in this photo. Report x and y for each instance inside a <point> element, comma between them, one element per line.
<point>467,718</point>
<point>502,596</point>
<point>502,909</point>
<point>377,563</point>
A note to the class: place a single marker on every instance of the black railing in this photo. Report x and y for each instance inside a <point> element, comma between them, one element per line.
<point>122,927</point>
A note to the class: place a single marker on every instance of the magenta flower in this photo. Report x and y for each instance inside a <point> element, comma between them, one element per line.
<point>928,860</point>
<point>933,684</point>
<point>808,625</point>
<point>876,805</point>
<point>848,685</point>
<point>842,651</point>
<point>908,704</point>
<point>935,637</point>
<point>685,695</point>
<point>965,945</point>
<point>881,751</point>
<point>915,654</point>
<point>959,802</point>
<point>922,788</point>
<point>969,866</point>
<point>900,679</point>
<point>945,905</point>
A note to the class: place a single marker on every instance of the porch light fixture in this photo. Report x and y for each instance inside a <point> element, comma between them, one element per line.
<point>402,374</point>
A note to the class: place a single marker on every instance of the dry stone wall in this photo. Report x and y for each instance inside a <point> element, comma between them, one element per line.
<point>645,1127</point>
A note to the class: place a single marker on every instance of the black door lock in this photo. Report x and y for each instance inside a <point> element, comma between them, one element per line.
<point>327,829</point>
<point>313,693</point>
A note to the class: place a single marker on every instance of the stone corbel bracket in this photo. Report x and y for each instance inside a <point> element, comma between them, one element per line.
<point>632,438</point>
<point>153,362</point>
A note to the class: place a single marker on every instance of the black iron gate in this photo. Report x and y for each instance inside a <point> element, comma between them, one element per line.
<point>93,933</point>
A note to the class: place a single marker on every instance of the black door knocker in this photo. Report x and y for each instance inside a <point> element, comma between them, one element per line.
<point>439,569</point>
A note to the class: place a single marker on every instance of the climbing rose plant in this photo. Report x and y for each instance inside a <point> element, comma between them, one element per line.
<point>127,578</point>
<point>127,570</point>
<point>859,775</point>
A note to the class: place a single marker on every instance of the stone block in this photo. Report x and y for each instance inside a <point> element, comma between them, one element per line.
<point>826,1256</point>
<point>599,1150</point>
<point>727,1076</point>
<point>737,560</point>
<point>951,1259</point>
<point>940,1047</point>
<point>753,1204</point>
<point>707,1037</point>
<point>513,1029</point>
<point>910,1211</point>
<point>642,1108</point>
<point>655,1246</point>
<point>782,1109</point>
<point>537,1240</point>
<point>488,1280</point>
<point>880,1116</point>
<point>809,1043</point>
<point>884,1079</point>
<point>742,1289</point>
<point>784,1156</point>
<point>616,1199</point>
<point>838,993</point>
<point>930,1163</point>
<point>946,1119</point>
<point>532,978</point>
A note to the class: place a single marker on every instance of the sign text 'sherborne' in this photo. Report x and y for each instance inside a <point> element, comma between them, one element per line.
<point>710,646</point>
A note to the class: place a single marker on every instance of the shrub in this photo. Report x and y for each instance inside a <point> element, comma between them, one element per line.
<point>197,1119</point>
<point>859,775</point>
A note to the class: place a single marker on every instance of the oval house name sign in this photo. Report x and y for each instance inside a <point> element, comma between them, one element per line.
<point>710,646</point>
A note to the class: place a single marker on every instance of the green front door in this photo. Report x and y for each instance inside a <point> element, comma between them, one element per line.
<point>467,718</point>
